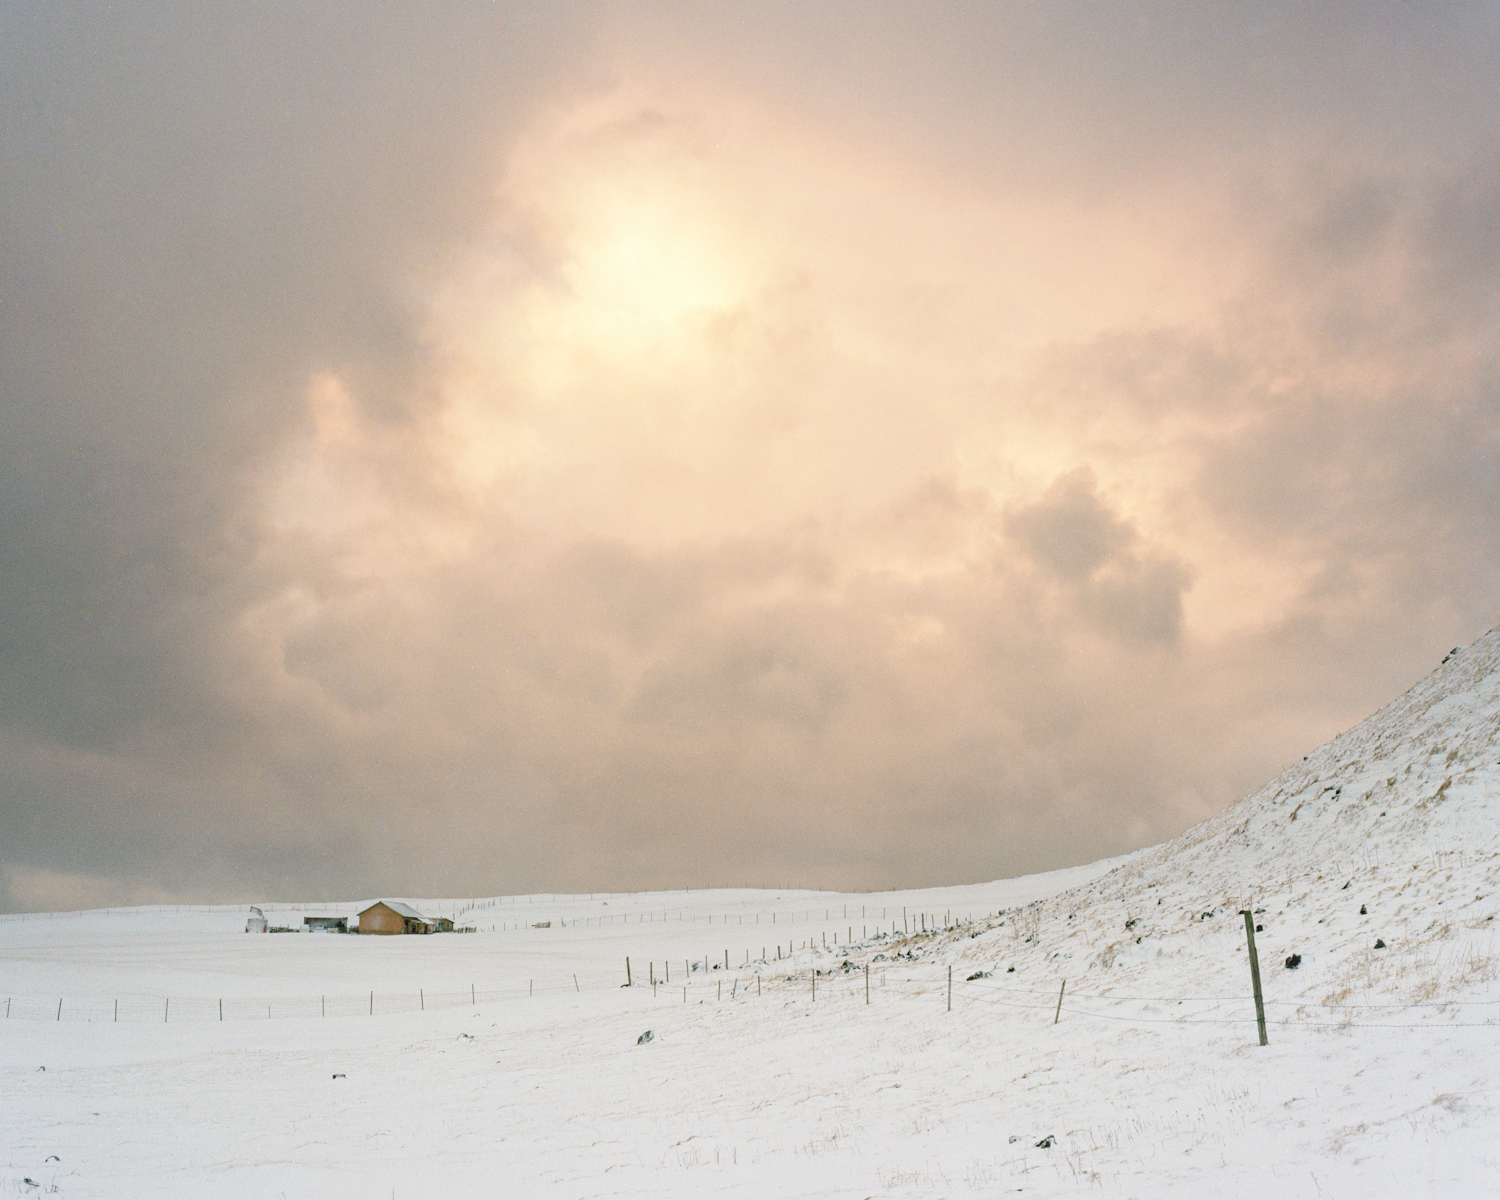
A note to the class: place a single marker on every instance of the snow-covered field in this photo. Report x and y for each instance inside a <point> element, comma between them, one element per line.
<point>508,1063</point>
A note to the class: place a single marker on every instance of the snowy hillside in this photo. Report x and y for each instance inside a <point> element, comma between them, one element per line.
<point>1389,833</point>
<point>1422,775</point>
<point>1088,1031</point>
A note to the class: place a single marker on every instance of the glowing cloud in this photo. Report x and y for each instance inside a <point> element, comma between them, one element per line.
<point>825,442</point>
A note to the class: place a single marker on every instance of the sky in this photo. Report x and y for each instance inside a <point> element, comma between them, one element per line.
<point>517,447</point>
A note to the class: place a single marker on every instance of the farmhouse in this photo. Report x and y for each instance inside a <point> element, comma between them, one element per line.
<point>392,916</point>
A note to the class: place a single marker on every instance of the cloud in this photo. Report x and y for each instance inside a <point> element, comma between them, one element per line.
<point>1070,530</point>
<point>596,451</point>
<point>36,889</point>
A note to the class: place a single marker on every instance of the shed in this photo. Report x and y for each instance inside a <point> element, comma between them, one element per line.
<point>326,924</point>
<point>392,916</point>
<point>256,923</point>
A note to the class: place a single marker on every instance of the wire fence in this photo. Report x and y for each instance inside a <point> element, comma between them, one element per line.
<point>848,987</point>
<point>1232,1010</point>
<point>172,1009</point>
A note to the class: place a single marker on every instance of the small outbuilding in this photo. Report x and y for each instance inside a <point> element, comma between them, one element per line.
<point>392,916</point>
<point>256,923</point>
<point>325,924</point>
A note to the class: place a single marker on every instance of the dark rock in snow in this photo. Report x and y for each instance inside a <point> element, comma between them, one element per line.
<point>978,975</point>
<point>1380,943</point>
<point>340,1075</point>
<point>1364,911</point>
<point>1293,961</point>
<point>648,1036</point>
<point>1046,1142</point>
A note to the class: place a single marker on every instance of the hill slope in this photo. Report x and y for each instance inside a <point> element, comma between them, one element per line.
<point>1390,833</point>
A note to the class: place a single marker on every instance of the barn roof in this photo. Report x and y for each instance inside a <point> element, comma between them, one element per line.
<point>405,910</point>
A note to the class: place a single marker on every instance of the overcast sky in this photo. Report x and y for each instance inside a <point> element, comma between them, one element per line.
<point>494,448</point>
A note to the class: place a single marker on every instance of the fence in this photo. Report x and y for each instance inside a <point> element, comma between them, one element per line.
<point>933,989</point>
<point>173,1009</point>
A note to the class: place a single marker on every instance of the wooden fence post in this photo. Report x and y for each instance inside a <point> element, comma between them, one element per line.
<point>627,970</point>
<point>1260,1004</point>
<point>950,989</point>
<point>1058,1013</point>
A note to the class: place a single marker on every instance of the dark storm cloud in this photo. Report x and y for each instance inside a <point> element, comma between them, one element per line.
<point>633,446</point>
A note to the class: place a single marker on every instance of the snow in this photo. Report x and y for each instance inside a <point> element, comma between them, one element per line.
<point>507,1062</point>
